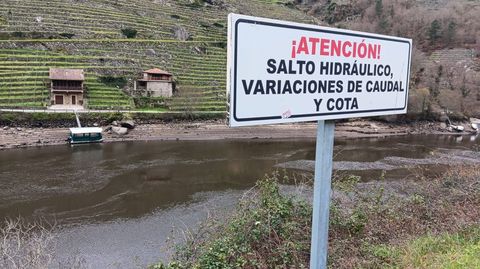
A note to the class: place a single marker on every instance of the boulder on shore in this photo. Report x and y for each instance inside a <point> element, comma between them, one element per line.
<point>130,124</point>
<point>120,130</point>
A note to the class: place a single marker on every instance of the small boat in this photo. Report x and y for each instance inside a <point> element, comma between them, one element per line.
<point>82,135</point>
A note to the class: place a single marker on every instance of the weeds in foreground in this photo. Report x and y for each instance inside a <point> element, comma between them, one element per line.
<point>457,250</point>
<point>382,217</point>
<point>26,245</point>
<point>262,233</point>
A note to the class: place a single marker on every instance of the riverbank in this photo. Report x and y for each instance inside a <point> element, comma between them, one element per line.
<point>19,137</point>
<point>425,222</point>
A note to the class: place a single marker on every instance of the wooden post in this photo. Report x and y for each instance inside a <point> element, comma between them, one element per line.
<point>321,194</point>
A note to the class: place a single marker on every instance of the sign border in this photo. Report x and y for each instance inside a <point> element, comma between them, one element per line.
<point>317,30</point>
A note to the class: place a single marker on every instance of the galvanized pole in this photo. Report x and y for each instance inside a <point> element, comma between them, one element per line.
<point>321,194</point>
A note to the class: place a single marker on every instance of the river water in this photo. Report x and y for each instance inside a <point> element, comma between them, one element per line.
<point>120,205</point>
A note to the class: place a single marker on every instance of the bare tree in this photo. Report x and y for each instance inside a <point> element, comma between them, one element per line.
<point>477,46</point>
<point>26,245</point>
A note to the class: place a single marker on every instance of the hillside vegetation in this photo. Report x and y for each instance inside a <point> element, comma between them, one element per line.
<point>114,40</point>
<point>120,38</point>
<point>446,40</point>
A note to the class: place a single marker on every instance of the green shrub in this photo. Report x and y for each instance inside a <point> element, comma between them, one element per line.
<point>3,21</point>
<point>40,35</point>
<point>114,116</point>
<point>218,24</point>
<point>113,81</point>
<point>289,3</point>
<point>4,36</point>
<point>18,34</point>
<point>434,32</point>
<point>221,44</point>
<point>149,102</point>
<point>204,24</point>
<point>67,35</point>
<point>196,3</point>
<point>269,230</point>
<point>7,118</point>
<point>129,32</point>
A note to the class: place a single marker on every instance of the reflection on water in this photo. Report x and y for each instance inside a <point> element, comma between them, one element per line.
<point>105,181</point>
<point>111,198</point>
<point>101,182</point>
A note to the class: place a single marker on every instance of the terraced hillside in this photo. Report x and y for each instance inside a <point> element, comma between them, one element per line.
<point>187,38</point>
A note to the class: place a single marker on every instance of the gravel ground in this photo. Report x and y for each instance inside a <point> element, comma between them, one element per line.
<point>28,137</point>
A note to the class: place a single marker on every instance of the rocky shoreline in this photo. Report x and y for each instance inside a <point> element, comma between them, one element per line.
<point>18,137</point>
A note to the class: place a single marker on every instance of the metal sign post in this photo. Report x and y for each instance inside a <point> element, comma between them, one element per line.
<point>321,194</point>
<point>285,72</point>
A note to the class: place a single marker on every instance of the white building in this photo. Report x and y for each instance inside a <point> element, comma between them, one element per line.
<point>155,83</point>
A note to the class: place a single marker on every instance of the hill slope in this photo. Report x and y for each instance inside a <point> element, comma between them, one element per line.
<point>446,41</point>
<point>187,38</point>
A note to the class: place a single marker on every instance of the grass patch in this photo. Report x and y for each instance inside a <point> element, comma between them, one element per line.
<point>150,103</point>
<point>112,81</point>
<point>457,250</point>
<point>3,21</point>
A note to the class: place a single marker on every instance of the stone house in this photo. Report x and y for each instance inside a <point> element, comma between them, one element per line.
<point>155,83</point>
<point>67,87</point>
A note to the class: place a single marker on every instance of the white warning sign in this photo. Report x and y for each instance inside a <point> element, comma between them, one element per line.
<point>281,72</point>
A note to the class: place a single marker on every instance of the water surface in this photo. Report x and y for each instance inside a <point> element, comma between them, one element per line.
<point>115,204</point>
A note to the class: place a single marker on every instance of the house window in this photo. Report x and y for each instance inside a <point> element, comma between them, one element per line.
<point>59,99</point>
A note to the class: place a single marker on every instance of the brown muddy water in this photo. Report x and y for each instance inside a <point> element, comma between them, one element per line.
<point>118,205</point>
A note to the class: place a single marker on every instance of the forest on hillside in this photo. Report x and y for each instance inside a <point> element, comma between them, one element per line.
<point>446,39</point>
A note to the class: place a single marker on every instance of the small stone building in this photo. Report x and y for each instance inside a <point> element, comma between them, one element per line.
<point>66,87</point>
<point>155,83</point>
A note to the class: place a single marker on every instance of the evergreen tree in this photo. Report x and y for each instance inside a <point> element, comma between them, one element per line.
<point>382,19</point>
<point>434,31</point>
<point>378,8</point>
<point>450,33</point>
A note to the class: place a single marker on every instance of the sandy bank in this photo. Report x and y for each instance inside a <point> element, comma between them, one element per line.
<point>27,137</point>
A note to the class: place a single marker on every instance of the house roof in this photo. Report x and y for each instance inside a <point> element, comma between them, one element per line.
<point>66,74</point>
<point>157,71</point>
